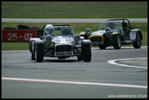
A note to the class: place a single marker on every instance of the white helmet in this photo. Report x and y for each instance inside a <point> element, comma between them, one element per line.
<point>49,28</point>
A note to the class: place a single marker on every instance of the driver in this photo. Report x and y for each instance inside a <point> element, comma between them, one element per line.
<point>48,30</point>
<point>111,25</point>
<point>125,28</point>
<point>87,32</point>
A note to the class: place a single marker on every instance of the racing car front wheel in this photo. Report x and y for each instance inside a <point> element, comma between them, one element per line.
<point>86,50</point>
<point>138,42</point>
<point>33,56</point>
<point>39,52</point>
<point>116,42</point>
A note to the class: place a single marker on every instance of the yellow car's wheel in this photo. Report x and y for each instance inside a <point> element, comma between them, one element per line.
<point>116,42</point>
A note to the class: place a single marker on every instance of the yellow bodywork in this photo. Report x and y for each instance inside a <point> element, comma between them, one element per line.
<point>115,33</point>
<point>97,34</point>
<point>100,34</point>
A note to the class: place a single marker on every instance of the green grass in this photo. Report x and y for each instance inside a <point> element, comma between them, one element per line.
<point>78,27</point>
<point>15,46</point>
<point>74,9</point>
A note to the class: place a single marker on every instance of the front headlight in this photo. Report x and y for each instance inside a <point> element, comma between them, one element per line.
<point>48,38</point>
<point>77,38</point>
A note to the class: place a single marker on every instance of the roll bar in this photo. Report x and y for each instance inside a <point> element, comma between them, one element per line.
<point>60,24</point>
<point>123,19</point>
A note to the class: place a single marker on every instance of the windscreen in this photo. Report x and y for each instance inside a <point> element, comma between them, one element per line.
<point>62,30</point>
<point>112,25</point>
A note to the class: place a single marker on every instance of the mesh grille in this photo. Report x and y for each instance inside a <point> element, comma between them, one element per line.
<point>63,48</point>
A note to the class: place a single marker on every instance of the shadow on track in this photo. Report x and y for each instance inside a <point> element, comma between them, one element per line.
<point>61,60</point>
<point>110,48</point>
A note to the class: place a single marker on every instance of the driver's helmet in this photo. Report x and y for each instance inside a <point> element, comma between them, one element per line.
<point>108,30</point>
<point>88,30</point>
<point>49,29</point>
<point>111,25</point>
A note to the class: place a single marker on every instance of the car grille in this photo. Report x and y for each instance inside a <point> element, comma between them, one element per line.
<point>93,39</point>
<point>63,48</point>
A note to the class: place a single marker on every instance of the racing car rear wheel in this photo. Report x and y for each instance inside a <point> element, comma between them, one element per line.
<point>33,56</point>
<point>39,52</point>
<point>32,52</point>
<point>116,42</point>
<point>138,42</point>
<point>86,51</point>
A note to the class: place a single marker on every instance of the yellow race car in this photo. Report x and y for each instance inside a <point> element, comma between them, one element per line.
<point>115,32</point>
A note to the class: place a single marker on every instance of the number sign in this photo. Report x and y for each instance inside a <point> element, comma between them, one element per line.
<point>18,35</point>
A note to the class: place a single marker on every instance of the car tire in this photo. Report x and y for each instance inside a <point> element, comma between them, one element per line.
<point>138,42</point>
<point>86,50</point>
<point>30,46</point>
<point>116,42</point>
<point>32,52</point>
<point>39,52</point>
<point>80,57</point>
<point>33,56</point>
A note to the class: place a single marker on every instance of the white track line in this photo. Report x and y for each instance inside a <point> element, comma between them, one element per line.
<point>74,82</point>
<point>124,65</point>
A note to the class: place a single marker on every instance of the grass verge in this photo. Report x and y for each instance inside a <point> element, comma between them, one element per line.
<point>15,46</point>
<point>78,27</point>
<point>74,9</point>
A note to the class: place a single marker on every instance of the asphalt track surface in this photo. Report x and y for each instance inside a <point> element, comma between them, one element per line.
<point>31,20</point>
<point>69,78</point>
